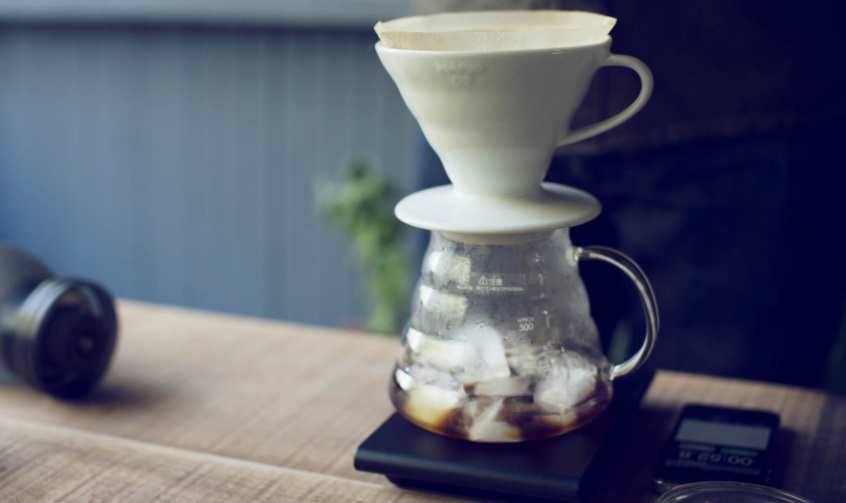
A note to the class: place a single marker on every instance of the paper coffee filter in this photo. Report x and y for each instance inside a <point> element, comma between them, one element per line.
<point>495,30</point>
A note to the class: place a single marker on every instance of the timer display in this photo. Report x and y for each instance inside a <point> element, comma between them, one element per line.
<point>737,435</point>
<point>713,443</point>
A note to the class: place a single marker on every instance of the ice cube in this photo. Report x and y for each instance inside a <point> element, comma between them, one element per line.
<point>504,386</point>
<point>475,353</point>
<point>449,307</point>
<point>430,395</point>
<point>570,381</point>
<point>487,428</point>
<point>523,361</point>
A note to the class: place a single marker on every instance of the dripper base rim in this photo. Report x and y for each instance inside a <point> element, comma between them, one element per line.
<point>444,209</point>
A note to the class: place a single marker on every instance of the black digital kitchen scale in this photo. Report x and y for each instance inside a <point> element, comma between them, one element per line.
<point>564,468</point>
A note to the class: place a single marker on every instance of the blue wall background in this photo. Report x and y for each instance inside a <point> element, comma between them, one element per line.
<point>180,164</point>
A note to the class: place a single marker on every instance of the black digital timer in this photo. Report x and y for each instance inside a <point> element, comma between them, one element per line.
<point>716,443</point>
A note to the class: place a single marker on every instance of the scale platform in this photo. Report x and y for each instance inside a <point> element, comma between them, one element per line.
<point>564,468</point>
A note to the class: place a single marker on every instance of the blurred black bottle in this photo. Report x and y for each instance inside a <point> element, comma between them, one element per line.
<point>57,334</point>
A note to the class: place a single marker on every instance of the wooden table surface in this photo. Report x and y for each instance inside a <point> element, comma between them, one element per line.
<point>206,407</point>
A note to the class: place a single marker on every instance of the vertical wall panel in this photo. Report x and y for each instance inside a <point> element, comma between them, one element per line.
<point>277,171</point>
<point>181,165</point>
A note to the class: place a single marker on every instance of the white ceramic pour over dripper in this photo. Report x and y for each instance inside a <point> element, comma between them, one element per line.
<point>497,30</point>
<point>495,117</point>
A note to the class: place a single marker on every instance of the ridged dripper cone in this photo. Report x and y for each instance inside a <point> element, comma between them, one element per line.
<point>495,98</point>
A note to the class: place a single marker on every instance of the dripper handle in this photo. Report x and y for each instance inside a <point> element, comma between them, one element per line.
<point>647,297</point>
<point>645,92</point>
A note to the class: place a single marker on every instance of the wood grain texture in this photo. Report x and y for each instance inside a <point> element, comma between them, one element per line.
<point>807,417</point>
<point>282,394</point>
<point>301,398</point>
<point>48,464</point>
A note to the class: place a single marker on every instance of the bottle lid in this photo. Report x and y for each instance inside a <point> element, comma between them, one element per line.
<point>64,338</point>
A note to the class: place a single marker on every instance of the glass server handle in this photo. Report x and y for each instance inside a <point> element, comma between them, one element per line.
<point>647,297</point>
